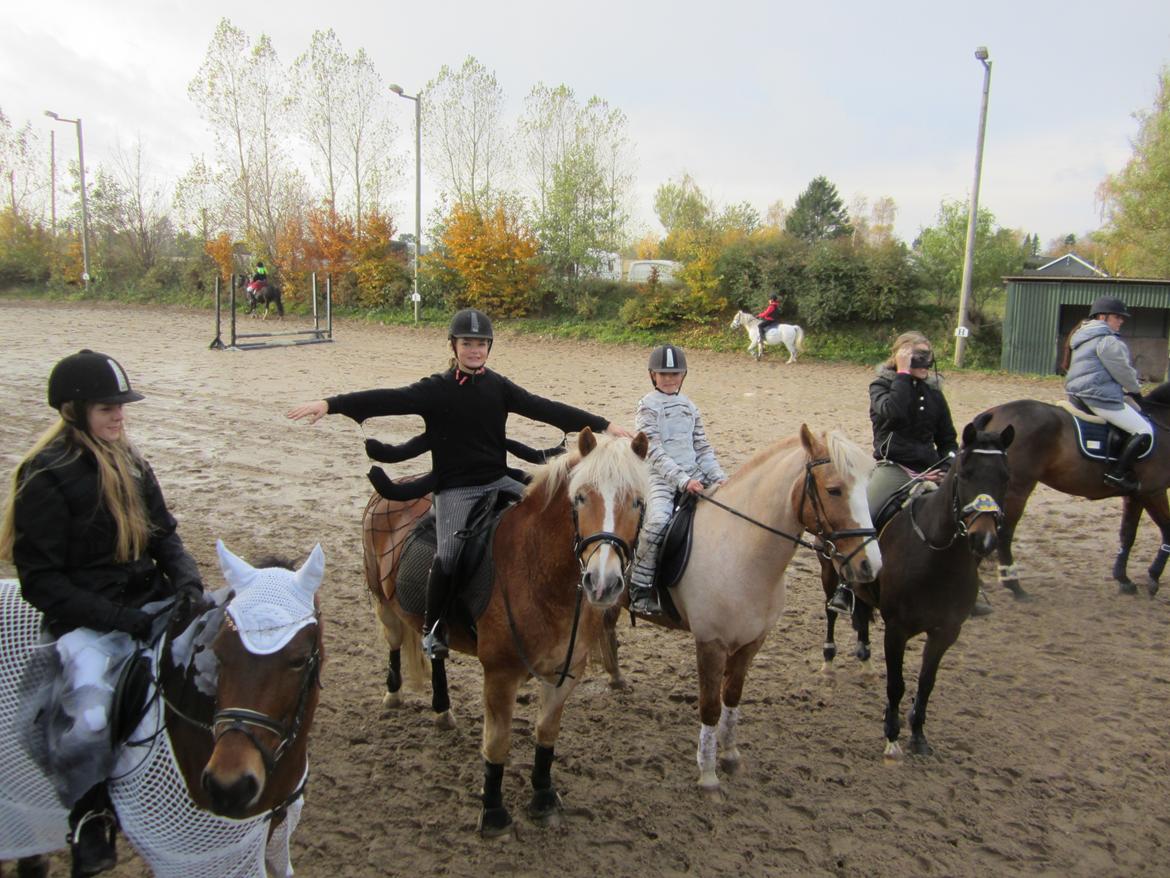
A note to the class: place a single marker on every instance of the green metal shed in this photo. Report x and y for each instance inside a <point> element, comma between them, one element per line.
<point>1042,310</point>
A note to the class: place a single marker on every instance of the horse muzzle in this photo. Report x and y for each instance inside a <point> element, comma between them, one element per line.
<point>231,797</point>
<point>603,590</point>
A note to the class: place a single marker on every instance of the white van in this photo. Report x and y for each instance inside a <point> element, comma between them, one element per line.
<point>640,270</point>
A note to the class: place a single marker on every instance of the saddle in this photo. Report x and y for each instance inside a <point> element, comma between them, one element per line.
<point>474,571</point>
<point>1098,439</point>
<point>675,552</point>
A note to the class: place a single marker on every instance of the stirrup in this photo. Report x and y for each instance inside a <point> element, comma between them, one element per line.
<point>434,645</point>
<point>645,601</point>
<point>1126,482</point>
<point>843,601</point>
<point>91,854</point>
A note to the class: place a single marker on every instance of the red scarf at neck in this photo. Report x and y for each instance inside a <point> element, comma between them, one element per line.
<point>462,377</point>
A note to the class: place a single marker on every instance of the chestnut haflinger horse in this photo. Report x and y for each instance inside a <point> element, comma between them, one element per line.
<point>931,550</point>
<point>1047,450</point>
<point>571,536</point>
<point>210,781</point>
<point>732,590</point>
<point>788,334</point>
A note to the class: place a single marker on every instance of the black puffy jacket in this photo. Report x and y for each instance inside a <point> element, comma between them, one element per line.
<point>65,539</point>
<point>911,420</point>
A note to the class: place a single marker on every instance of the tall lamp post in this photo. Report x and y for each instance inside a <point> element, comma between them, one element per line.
<point>84,206</point>
<point>397,89</point>
<point>962,330</point>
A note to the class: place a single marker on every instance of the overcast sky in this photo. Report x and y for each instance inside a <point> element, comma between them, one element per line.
<point>753,99</point>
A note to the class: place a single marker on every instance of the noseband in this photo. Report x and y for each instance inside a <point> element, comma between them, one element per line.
<point>965,516</point>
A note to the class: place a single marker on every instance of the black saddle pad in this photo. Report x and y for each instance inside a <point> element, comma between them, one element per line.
<point>474,569</point>
<point>130,697</point>
<point>1104,441</point>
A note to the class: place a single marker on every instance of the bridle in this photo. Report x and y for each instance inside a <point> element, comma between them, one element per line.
<point>963,517</point>
<point>244,720</point>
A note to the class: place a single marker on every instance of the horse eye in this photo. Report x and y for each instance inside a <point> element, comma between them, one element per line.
<point>579,500</point>
<point>639,503</point>
<point>834,492</point>
<point>299,664</point>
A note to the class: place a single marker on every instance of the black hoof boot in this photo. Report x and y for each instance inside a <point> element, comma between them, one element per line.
<point>544,804</point>
<point>494,822</point>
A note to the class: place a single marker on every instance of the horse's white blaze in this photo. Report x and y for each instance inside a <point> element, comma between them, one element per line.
<point>859,506</point>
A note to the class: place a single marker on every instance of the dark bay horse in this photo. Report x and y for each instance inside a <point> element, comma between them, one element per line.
<point>1046,451</point>
<point>231,692</point>
<point>571,536</point>
<point>266,294</point>
<point>929,580</point>
<point>745,535</point>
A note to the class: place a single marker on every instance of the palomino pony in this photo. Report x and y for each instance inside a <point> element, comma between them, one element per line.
<point>232,689</point>
<point>1046,451</point>
<point>931,550</point>
<point>572,535</point>
<point>732,591</point>
<point>788,334</point>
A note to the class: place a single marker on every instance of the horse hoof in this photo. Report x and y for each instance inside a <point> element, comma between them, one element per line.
<point>1126,587</point>
<point>892,754</point>
<point>828,670</point>
<point>920,747</point>
<point>731,765</point>
<point>862,653</point>
<point>1152,587</point>
<point>619,683</point>
<point>392,699</point>
<point>445,721</point>
<point>712,792</point>
<point>544,806</point>
<point>494,822</point>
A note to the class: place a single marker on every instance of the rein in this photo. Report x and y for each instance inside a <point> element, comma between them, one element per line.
<point>826,547</point>
<point>963,518</point>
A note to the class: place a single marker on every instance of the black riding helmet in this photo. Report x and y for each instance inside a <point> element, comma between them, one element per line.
<point>470,323</point>
<point>88,376</point>
<point>666,358</point>
<point>1108,305</point>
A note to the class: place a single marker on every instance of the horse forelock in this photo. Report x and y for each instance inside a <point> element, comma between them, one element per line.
<point>612,466</point>
<point>849,459</point>
<point>548,480</point>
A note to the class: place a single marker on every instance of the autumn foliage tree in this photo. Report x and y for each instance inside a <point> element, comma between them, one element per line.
<point>382,275</point>
<point>494,255</point>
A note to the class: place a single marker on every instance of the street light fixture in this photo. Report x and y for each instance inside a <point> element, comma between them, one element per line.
<point>84,206</point>
<point>962,330</point>
<point>397,89</point>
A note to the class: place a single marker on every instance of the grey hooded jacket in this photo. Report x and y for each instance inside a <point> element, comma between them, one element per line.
<point>1100,372</point>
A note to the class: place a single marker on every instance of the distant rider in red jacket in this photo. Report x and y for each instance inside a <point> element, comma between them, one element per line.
<point>770,316</point>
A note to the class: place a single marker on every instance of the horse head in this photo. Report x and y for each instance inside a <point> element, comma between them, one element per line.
<point>834,507</point>
<point>607,489</point>
<point>979,480</point>
<point>269,655</point>
<point>740,319</point>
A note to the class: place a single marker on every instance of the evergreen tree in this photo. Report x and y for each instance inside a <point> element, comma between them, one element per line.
<point>819,213</point>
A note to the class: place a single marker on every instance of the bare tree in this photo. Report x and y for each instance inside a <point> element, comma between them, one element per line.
<point>367,134</point>
<point>23,169</point>
<point>320,88</point>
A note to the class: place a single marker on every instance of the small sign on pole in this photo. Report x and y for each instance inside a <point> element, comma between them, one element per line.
<point>962,332</point>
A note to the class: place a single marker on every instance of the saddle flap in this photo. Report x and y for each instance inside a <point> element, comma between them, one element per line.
<point>675,553</point>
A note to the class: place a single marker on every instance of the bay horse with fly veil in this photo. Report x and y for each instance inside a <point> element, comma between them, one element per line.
<point>732,590</point>
<point>210,781</point>
<point>572,536</point>
<point>1046,450</point>
<point>931,549</point>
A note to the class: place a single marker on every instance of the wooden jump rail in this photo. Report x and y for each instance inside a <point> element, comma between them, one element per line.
<point>316,335</point>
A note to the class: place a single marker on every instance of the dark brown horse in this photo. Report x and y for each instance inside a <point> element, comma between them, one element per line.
<point>571,536</point>
<point>1046,451</point>
<point>224,732</point>
<point>929,579</point>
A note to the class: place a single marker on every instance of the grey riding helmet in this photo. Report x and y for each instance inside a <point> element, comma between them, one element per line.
<point>666,358</point>
<point>90,377</point>
<point>1108,305</point>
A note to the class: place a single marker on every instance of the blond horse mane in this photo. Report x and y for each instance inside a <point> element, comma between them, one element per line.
<point>848,458</point>
<point>612,465</point>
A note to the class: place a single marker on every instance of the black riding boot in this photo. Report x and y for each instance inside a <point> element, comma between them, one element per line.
<point>842,600</point>
<point>1120,475</point>
<point>92,830</point>
<point>434,628</point>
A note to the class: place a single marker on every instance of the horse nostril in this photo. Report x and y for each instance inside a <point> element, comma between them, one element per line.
<point>866,569</point>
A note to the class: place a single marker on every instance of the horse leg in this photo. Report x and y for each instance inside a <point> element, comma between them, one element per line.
<point>1159,509</point>
<point>712,659</point>
<point>829,581</point>
<point>393,680</point>
<point>937,643</point>
<point>895,689</point>
<point>606,647</point>
<point>1131,513</point>
<point>546,802</point>
<point>1009,577</point>
<point>404,648</point>
<point>440,697</point>
<point>499,696</point>
<point>862,615</point>
<point>32,867</point>
<point>734,675</point>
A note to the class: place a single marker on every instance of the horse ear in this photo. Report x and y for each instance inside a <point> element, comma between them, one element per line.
<point>236,571</point>
<point>808,441</point>
<point>640,445</point>
<point>1007,435</point>
<point>982,420</point>
<point>586,441</point>
<point>969,434</point>
<point>308,577</point>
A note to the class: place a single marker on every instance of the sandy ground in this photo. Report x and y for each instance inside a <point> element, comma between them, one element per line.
<point>1048,718</point>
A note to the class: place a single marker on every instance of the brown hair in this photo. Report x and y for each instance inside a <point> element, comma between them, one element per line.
<point>120,472</point>
<point>913,337</point>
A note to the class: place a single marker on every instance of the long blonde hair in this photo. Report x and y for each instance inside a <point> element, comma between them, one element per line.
<point>912,338</point>
<point>120,472</point>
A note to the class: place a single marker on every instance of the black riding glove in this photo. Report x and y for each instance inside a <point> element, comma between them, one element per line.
<point>136,623</point>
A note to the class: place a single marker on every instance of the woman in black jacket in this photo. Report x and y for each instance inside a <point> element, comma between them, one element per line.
<point>93,543</point>
<point>465,411</point>
<point>914,436</point>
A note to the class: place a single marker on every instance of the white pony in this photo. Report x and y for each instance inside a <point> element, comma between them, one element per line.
<point>788,334</point>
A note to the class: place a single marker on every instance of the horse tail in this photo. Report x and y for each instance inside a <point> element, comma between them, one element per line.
<point>799,339</point>
<point>279,306</point>
<point>416,670</point>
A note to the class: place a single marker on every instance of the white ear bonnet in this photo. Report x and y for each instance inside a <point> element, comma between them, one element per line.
<point>271,604</point>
